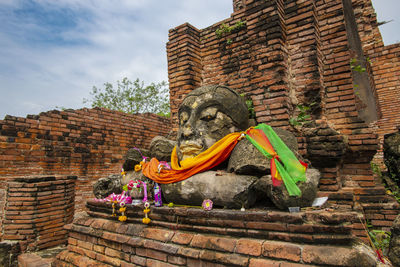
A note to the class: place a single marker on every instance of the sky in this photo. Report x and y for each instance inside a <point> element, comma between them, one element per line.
<point>52,52</point>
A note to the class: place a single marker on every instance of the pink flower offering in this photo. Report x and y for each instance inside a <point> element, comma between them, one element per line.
<point>207,204</point>
<point>133,184</point>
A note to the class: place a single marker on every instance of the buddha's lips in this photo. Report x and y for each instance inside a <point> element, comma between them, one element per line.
<point>190,149</point>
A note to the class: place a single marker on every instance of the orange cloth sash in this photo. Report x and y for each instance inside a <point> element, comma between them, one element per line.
<point>206,160</point>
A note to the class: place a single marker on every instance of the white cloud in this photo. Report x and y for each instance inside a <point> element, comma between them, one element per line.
<point>101,41</point>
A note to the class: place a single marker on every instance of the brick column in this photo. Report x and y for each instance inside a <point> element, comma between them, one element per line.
<point>304,62</point>
<point>267,37</point>
<point>184,65</point>
<point>37,209</point>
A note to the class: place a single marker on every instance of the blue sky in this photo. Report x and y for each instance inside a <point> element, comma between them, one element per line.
<point>53,51</point>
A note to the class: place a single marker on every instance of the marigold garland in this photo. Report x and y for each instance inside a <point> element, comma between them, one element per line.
<point>138,167</point>
<point>146,219</point>
<point>122,209</point>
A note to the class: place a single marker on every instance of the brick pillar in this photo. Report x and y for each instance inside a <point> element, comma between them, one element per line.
<point>267,37</point>
<point>184,65</point>
<point>237,5</point>
<point>367,105</point>
<point>304,63</point>
<point>37,209</point>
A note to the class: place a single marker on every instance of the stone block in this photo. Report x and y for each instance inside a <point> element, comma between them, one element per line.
<point>177,260</point>
<point>251,247</point>
<point>282,251</point>
<point>108,260</point>
<point>224,258</point>
<point>263,263</point>
<point>158,234</point>
<point>214,243</point>
<point>189,252</point>
<point>182,238</point>
<point>141,261</point>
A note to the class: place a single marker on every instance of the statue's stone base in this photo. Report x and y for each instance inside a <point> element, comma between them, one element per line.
<point>193,237</point>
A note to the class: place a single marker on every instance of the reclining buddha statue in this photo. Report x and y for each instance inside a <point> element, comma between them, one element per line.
<point>219,157</point>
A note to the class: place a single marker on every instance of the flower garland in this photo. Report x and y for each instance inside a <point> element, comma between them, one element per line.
<point>146,219</point>
<point>136,185</point>
<point>123,217</point>
<point>121,199</point>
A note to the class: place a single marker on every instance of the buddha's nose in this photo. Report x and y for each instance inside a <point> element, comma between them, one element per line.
<point>187,131</point>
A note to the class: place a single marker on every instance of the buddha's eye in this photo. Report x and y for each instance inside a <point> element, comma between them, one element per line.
<point>183,118</point>
<point>207,118</point>
<point>208,114</point>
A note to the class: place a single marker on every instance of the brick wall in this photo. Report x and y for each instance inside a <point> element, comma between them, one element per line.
<point>87,143</point>
<point>386,70</point>
<point>248,59</point>
<point>384,67</point>
<point>37,209</point>
<point>299,52</point>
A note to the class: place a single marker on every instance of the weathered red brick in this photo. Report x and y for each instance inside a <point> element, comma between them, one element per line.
<point>176,260</point>
<point>182,238</point>
<point>251,247</point>
<point>158,234</point>
<point>215,243</point>
<point>326,255</point>
<point>108,260</point>
<point>282,250</point>
<point>263,263</point>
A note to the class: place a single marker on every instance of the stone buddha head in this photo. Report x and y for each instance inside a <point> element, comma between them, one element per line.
<point>207,114</point>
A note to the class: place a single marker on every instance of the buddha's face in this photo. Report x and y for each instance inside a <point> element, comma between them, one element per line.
<point>205,117</point>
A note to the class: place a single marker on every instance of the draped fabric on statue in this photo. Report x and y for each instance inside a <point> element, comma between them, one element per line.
<point>284,164</point>
<point>206,160</point>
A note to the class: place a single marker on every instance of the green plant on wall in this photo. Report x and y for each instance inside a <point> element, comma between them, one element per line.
<point>250,106</point>
<point>380,238</point>
<point>355,65</point>
<point>302,116</point>
<point>392,187</point>
<point>224,30</point>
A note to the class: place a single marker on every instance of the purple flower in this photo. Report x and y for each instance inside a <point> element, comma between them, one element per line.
<point>207,204</point>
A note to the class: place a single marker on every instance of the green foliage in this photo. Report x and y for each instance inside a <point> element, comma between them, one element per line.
<point>376,169</point>
<point>61,108</point>
<point>224,29</point>
<point>250,106</point>
<point>303,116</point>
<point>354,65</point>
<point>368,224</point>
<point>132,97</point>
<point>380,238</point>
<point>392,188</point>
<point>395,194</point>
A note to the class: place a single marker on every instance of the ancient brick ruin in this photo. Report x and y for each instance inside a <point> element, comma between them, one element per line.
<point>279,54</point>
<point>49,162</point>
<point>37,210</point>
<point>299,52</point>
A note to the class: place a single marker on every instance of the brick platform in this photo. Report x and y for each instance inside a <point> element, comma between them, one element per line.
<point>194,237</point>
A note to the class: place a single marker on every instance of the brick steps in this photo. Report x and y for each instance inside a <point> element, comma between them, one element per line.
<point>113,243</point>
<point>33,260</point>
<point>316,226</point>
